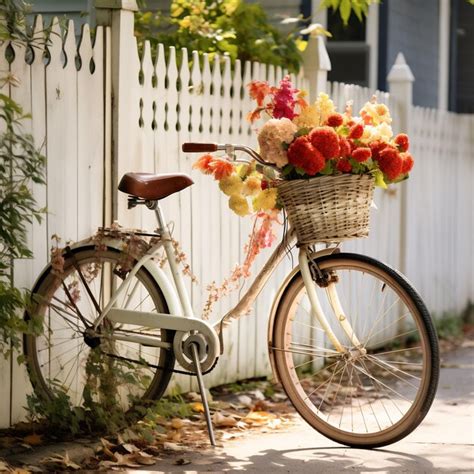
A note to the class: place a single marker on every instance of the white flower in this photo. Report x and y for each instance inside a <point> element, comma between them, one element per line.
<point>272,137</point>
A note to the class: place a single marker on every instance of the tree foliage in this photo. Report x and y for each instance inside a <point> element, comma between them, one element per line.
<point>231,27</point>
<point>21,164</point>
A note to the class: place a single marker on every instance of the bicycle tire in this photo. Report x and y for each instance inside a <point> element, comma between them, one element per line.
<point>63,328</point>
<point>356,381</point>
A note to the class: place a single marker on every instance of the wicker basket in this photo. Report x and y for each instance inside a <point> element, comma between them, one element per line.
<point>328,208</point>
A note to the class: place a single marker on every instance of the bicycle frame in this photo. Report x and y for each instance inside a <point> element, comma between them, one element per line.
<point>189,322</point>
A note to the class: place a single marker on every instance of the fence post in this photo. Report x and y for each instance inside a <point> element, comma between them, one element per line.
<point>120,46</point>
<point>400,84</point>
<point>316,64</point>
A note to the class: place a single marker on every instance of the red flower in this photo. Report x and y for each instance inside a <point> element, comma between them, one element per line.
<point>344,165</point>
<point>264,184</point>
<point>344,146</point>
<point>326,140</point>
<point>356,131</point>
<point>407,164</point>
<point>361,154</point>
<point>284,100</point>
<point>390,162</point>
<point>335,120</point>
<point>304,155</point>
<point>204,164</point>
<point>376,147</point>
<point>221,169</point>
<point>401,140</point>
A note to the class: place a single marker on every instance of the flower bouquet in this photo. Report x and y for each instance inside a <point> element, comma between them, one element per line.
<point>327,163</point>
<point>323,166</point>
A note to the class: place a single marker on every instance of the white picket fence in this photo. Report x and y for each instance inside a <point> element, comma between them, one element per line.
<point>122,111</point>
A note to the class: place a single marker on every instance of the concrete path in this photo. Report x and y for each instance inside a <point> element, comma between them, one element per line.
<point>444,442</point>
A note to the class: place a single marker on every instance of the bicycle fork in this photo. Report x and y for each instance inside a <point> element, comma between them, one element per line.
<point>335,303</point>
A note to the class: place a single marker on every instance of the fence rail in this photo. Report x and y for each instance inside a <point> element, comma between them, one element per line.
<point>100,107</point>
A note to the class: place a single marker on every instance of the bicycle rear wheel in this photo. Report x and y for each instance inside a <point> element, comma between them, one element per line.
<point>366,398</point>
<point>64,359</point>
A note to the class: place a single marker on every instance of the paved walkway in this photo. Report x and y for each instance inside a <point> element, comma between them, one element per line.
<point>444,442</point>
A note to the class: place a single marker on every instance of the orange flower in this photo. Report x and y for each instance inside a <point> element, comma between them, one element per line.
<point>204,164</point>
<point>221,169</point>
<point>255,114</point>
<point>258,91</point>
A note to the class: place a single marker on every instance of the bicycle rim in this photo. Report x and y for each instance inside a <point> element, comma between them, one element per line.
<point>361,400</point>
<point>62,360</point>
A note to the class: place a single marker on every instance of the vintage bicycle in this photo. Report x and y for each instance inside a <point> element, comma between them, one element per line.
<point>349,338</point>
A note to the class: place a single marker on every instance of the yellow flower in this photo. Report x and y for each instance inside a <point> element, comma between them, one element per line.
<point>231,185</point>
<point>265,200</point>
<point>325,106</point>
<point>252,186</point>
<point>308,118</point>
<point>239,205</point>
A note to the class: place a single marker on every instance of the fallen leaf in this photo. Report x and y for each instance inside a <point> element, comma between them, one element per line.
<point>131,448</point>
<point>60,461</point>
<point>259,417</point>
<point>107,444</point>
<point>198,407</point>
<point>33,439</point>
<point>144,460</point>
<point>31,468</point>
<point>171,446</point>
<point>222,421</point>
<point>261,405</point>
<point>177,423</point>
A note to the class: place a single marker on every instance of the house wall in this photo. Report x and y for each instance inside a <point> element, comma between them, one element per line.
<point>413,28</point>
<point>463,77</point>
<point>81,11</point>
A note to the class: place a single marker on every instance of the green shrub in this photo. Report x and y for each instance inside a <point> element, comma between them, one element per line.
<point>221,27</point>
<point>21,165</point>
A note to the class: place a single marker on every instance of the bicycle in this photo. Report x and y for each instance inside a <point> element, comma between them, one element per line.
<point>359,381</point>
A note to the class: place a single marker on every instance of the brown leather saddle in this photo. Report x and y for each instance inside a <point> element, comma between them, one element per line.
<point>153,186</point>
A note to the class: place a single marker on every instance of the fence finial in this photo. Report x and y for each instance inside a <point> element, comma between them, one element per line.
<point>316,64</point>
<point>400,71</point>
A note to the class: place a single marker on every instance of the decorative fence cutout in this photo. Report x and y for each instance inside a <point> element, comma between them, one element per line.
<point>166,103</point>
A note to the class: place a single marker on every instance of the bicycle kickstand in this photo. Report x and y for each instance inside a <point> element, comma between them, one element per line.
<point>202,389</point>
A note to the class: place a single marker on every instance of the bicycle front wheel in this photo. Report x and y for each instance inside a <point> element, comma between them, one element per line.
<point>366,397</point>
<point>64,359</point>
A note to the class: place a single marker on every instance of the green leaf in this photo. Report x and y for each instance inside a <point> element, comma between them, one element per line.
<point>287,169</point>
<point>302,131</point>
<point>379,181</point>
<point>345,10</point>
<point>328,168</point>
<point>300,171</point>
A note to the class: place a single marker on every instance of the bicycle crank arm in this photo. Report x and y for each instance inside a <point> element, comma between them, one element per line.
<point>201,333</point>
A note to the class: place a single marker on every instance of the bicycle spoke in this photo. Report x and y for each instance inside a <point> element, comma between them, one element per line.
<point>393,370</point>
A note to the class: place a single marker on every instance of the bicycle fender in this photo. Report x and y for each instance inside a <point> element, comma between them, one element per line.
<point>276,302</point>
<point>156,273</point>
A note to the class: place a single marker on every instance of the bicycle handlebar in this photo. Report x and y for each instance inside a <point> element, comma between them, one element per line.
<point>193,147</point>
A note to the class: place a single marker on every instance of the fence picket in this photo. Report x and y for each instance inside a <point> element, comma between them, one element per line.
<point>210,102</point>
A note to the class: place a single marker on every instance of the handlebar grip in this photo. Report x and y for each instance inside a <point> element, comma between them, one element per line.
<point>191,147</point>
